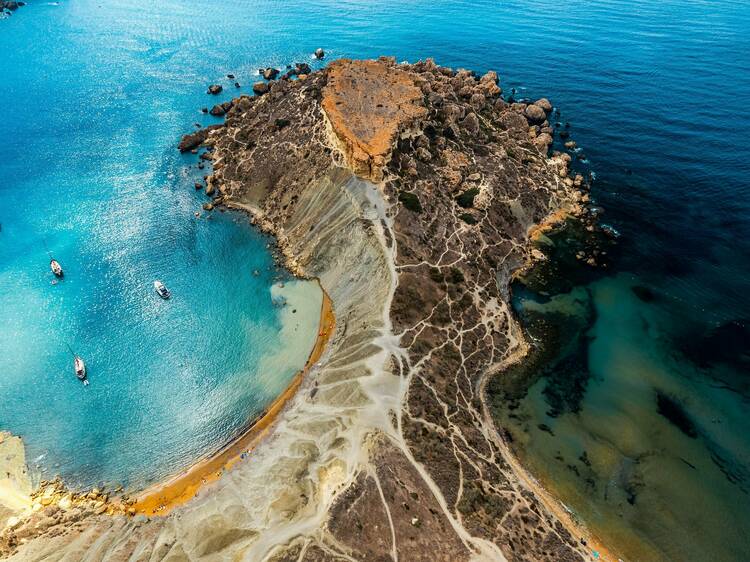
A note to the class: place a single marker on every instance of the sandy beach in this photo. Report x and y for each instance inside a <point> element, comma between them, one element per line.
<point>15,484</point>
<point>163,497</point>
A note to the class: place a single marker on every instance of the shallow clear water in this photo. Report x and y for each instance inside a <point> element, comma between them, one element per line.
<point>656,93</point>
<point>90,170</point>
<point>641,442</point>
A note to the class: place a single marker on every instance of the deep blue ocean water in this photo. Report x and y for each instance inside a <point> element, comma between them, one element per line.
<point>656,94</point>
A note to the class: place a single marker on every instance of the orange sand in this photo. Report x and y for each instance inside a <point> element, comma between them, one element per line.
<point>162,498</point>
<point>576,527</point>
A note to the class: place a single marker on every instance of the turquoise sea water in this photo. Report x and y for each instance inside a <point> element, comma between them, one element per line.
<point>96,94</point>
<point>100,96</point>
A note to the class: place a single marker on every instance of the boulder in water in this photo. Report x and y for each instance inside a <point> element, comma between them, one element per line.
<point>545,104</point>
<point>535,114</point>
<point>215,89</point>
<point>319,53</point>
<point>543,141</point>
<point>302,68</point>
<point>260,88</point>
<point>269,73</point>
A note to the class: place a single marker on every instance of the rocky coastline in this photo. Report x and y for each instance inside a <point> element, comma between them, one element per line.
<point>412,192</point>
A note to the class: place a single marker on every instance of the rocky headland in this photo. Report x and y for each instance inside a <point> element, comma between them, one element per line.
<point>412,192</point>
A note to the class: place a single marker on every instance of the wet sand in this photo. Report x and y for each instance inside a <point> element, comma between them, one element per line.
<point>15,483</point>
<point>165,496</point>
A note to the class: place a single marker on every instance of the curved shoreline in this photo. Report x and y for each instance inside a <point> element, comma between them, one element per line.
<point>552,503</point>
<point>163,497</point>
<point>574,523</point>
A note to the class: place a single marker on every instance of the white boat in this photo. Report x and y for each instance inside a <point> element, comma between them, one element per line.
<point>161,290</point>
<point>54,265</point>
<point>80,368</point>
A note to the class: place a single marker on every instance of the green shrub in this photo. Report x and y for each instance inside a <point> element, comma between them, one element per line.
<point>467,218</point>
<point>410,201</point>
<point>466,199</point>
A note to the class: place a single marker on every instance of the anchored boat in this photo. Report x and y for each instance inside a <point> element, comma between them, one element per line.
<point>54,265</point>
<point>162,290</point>
<point>80,369</point>
<point>56,268</point>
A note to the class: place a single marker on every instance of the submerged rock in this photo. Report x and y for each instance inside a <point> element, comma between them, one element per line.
<point>727,343</point>
<point>673,411</point>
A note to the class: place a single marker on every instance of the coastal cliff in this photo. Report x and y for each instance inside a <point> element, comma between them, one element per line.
<point>411,193</point>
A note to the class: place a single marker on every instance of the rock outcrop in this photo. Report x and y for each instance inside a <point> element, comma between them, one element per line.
<point>260,88</point>
<point>194,140</point>
<point>410,191</point>
<point>368,104</point>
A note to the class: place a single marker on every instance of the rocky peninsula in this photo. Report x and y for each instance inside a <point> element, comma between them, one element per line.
<point>411,191</point>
